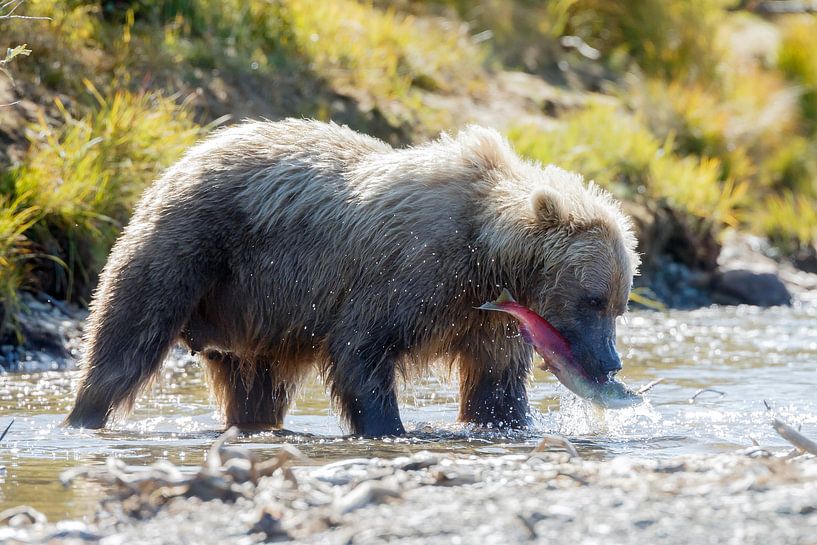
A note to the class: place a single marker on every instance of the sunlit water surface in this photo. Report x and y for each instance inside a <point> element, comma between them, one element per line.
<point>749,355</point>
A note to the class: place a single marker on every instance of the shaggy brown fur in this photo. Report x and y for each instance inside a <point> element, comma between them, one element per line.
<point>274,248</point>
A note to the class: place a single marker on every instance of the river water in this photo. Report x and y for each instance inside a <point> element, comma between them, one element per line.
<point>748,355</point>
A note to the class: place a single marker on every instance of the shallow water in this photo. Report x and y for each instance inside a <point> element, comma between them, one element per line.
<point>747,354</point>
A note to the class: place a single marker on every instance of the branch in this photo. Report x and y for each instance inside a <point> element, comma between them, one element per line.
<point>11,6</point>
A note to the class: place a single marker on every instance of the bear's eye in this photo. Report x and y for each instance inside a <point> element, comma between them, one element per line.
<point>596,303</point>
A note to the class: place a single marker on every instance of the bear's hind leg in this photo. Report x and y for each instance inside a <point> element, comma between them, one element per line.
<point>363,385</point>
<point>140,307</point>
<point>252,395</point>
<point>494,395</point>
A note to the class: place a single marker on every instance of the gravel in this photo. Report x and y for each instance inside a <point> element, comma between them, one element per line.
<point>547,497</point>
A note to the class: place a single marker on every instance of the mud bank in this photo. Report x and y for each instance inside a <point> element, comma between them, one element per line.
<point>749,497</point>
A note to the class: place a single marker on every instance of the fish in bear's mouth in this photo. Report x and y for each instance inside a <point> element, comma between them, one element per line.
<point>555,350</point>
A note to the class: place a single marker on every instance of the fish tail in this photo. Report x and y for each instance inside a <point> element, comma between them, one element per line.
<point>504,297</point>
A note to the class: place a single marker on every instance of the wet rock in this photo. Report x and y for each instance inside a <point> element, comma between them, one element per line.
<point>51,332</point>
<point>9,358</point>
<point>269,524</point>
<point>418,461</point>
<point>805,259</point>
<point>743,287</point>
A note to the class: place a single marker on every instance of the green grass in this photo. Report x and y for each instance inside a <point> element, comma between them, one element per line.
<point>789,220</point>
<point>663,38</point>
<point>669,39</point>
<point>381,58</point>
<point>616,149</point>
<point>78,181</point>
<point>797,61</point>
<point>16,218</point>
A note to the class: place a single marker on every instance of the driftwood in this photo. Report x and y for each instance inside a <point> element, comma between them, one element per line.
<point>787,432</point>
<point>549,441</point>
<point>705,390</point>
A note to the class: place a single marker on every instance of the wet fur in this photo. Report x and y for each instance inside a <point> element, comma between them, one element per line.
<point>275,248</point>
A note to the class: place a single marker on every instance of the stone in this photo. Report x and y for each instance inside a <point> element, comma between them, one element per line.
<point>743,287</point>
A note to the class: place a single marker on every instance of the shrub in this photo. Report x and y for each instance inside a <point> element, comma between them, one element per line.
<point>617,151</point>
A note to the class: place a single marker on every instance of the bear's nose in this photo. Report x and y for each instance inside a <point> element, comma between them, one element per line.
<point>610,365</point>
<point>610,361</point>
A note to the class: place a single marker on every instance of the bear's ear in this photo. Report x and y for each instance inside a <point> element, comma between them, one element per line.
<point>548,208</point>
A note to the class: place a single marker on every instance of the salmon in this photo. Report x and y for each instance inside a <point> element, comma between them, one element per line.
<point>546,340</point>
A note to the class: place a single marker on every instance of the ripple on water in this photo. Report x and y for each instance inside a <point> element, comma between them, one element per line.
<point>749,354</point>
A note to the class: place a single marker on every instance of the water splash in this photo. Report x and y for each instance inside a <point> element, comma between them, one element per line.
<point>578,417</point>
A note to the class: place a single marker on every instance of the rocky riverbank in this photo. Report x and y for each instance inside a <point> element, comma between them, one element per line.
<point>754,496</point>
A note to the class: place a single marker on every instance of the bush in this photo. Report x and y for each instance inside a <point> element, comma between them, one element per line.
<point>669,39</point>
<point>616,150</point>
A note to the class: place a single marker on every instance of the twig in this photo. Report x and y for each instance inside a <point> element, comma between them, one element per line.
<point>12,6</point>
<point>556,441</point>
<point>27,17</point>
<point>703,390</point>
<point>751,451</point>
<point>649,386</point>
<point>214,456</point>
<point>7,429</point>
<point>581,481</point>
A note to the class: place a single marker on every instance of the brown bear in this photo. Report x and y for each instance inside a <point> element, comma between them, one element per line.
<point>276,248</point>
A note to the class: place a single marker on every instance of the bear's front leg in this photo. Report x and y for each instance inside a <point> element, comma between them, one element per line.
<point>363,385</point>
<point>494,394</point>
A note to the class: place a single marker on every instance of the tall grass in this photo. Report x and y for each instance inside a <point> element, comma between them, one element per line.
<point>789,220</point>
<point>670,39</point>
<point>83,176</point>
<point>15,253</point>
<point>380,57</point>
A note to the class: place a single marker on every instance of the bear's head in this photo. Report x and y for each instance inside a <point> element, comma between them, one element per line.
<point>584,263</point>
<point>563,247</point>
